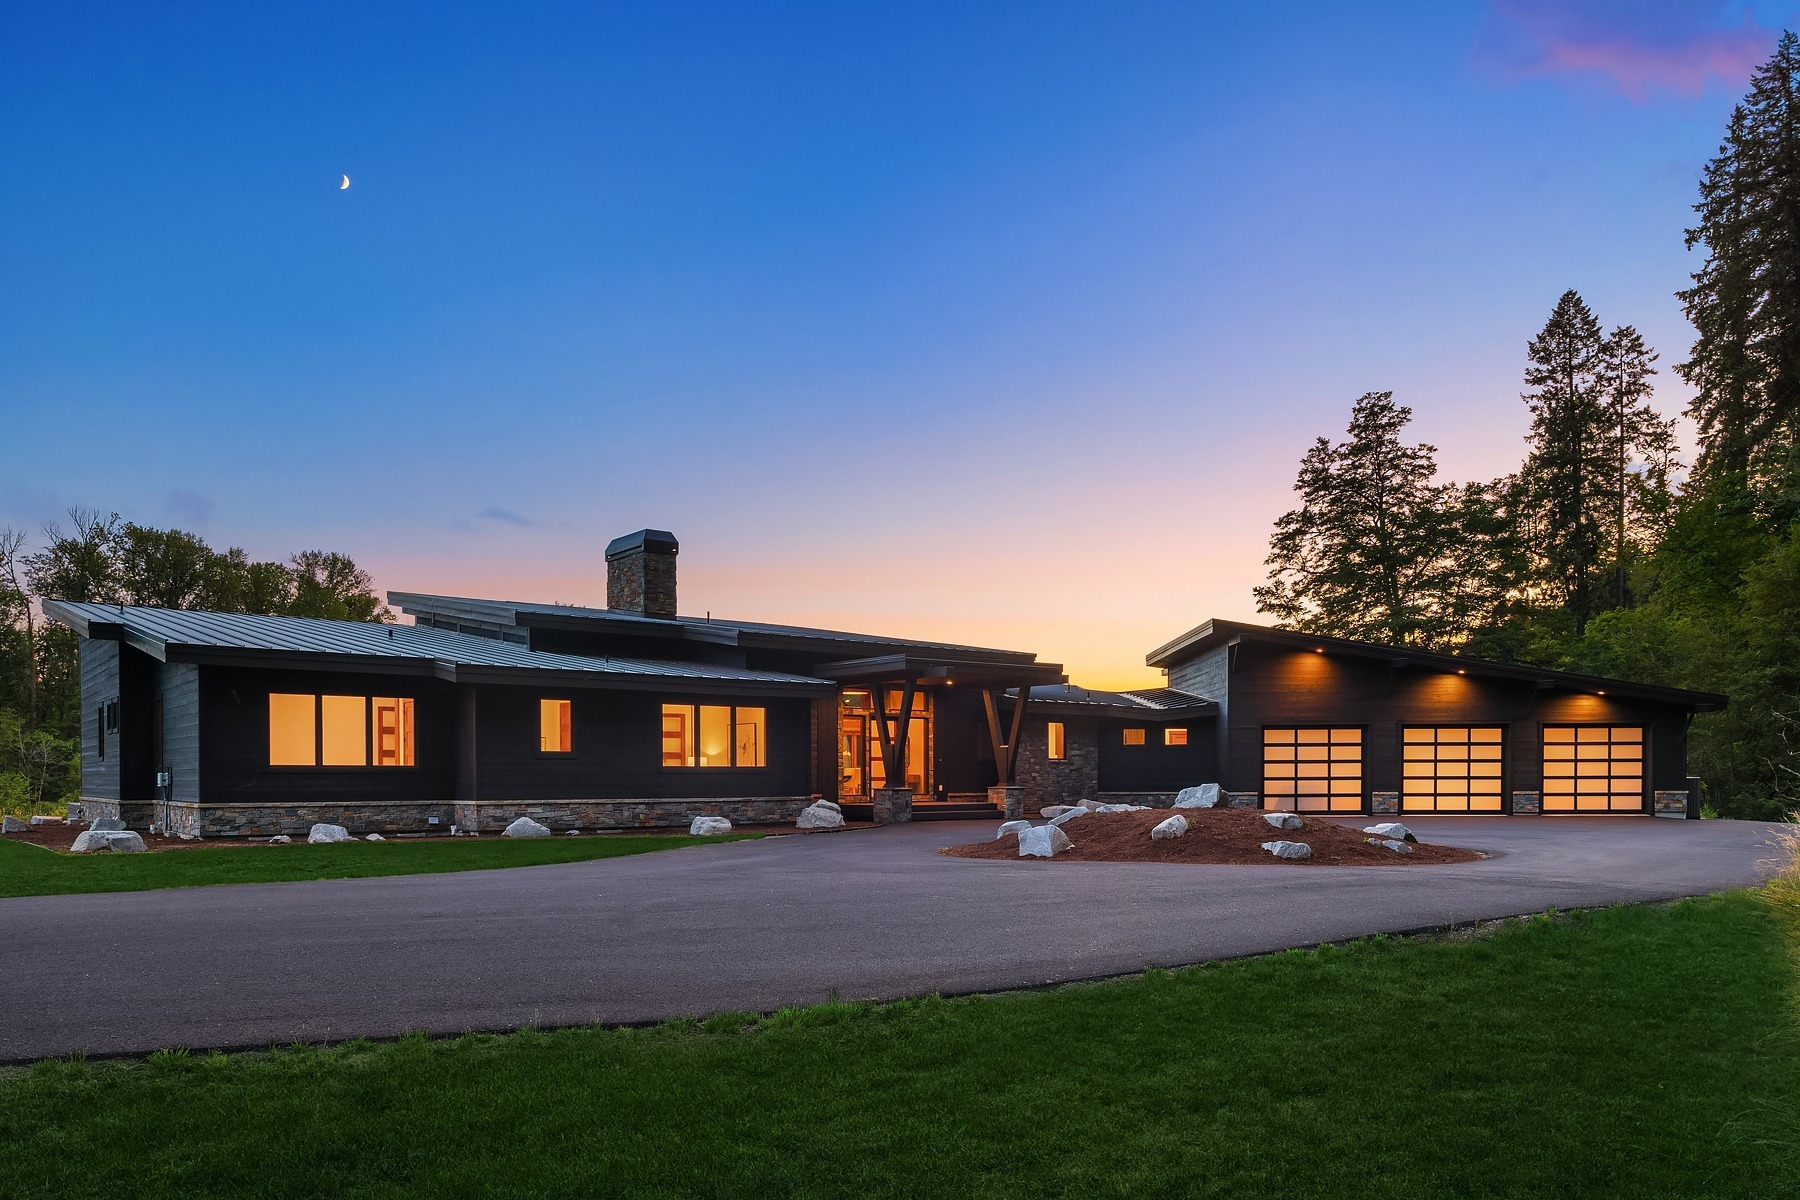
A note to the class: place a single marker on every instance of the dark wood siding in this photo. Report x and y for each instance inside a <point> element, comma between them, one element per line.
<point>1154,767</point>
<point>99,665</point>
<point>180,689</point>
<point>1209,675</point>
<point>617,751</point>
<point>1278,686</point>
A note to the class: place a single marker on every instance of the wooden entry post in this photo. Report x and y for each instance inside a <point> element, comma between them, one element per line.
<point>1006,751</point>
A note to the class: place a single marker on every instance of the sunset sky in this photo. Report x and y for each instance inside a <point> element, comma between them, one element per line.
<point>1000,323</point>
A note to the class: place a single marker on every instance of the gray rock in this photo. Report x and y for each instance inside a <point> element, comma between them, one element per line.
<point>1091,805</point>
<point>43,820</point>
<point>1051,811</point>
<point>1283,820</point>
<point>1204,796</point>
<point>108,824</point>
<point>374,837</point>
<point>1176,826</point>
<point>280,839</point>
<point>1044,841</point>
<point>1394,844</point>
<point>1288,849</point>
<point>573,833</point>
<point>12,824</point>
<point>1068,815</point>
<point>1113,808</point>
<point>1391,829</point>
<point>92,841</point>
<point>832,804</point>
<point>709,826</point>
<point>525,827</point>
<point>1007,827</point>
<point>322,834</point>
<point>820,816</point>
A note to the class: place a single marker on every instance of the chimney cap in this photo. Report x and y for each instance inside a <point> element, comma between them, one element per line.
<point>644,541</point>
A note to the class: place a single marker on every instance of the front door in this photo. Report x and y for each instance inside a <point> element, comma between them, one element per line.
<point>860,768</point>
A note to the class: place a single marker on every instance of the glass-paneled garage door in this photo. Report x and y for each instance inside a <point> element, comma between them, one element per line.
<point>1313,770</point>
<point>1593,768</point>
<point>1451,768</point>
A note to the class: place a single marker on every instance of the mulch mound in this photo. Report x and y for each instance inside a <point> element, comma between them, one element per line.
<point>1219,835</point>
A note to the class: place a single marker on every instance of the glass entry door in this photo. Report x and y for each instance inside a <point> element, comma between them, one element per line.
<point>860,767</point>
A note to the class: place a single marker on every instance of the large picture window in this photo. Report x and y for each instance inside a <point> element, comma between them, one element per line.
<point>1593,768</point>
<point>1451,768</point>
<point>340,731</point>
<point>1313,770</point>
<point>714,735</point>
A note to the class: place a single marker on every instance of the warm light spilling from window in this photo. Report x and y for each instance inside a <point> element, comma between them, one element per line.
<point>343,731</point>
<point>293,730</point>
<point>340,731</point>
<point>1313,770</point>
<point>749,724</point>
<point>1056,746</point>
<point>1134,737</point>
<point>556,733</point>
<point>1451,768</point>
<point>1175,737</point>
<point>1593,768</point>
<point>392,730</point>
<point>713,735</point>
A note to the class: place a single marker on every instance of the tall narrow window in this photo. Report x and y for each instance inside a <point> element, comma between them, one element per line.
<point>100,727</point>
<point>555,726</point>
<point>343,731</point>
<point>293,730</point>
<point>391,730</point>
<point>1055,746</point>
<point>1175,737</point>
<point>748,723</point>
<point>714,735</point>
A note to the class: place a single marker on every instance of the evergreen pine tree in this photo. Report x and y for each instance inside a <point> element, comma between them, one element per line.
<point>1640,450</point>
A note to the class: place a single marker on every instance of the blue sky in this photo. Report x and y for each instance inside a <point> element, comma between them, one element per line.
<point>1006,323</point>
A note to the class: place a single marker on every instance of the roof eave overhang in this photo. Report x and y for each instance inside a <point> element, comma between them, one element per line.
<point>925,667</point>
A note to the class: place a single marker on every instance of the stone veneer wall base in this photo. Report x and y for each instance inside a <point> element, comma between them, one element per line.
<point>1384,804</point>
<point>1671,804</point>
<point>1527,804</point>
<point>891,806</point>
<point>487,816</point>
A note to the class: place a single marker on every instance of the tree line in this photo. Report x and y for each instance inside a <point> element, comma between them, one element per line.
<point>108,560</point>
<point>1604,553</point>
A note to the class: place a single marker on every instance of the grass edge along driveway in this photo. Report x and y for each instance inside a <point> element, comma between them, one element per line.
<point>1643,1051</point>
<point>27,870</point>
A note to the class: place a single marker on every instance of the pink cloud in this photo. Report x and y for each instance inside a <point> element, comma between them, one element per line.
<point>1677,46</point>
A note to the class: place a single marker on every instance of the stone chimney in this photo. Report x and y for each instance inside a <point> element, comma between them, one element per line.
<point>640,573</point>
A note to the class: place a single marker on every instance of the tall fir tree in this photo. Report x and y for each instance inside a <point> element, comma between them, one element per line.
<point>1640,450</point>
<point>1370,551</point>
<point>1745,302</point>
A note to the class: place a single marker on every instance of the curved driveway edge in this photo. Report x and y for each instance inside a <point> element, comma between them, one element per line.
<point>756,926</point>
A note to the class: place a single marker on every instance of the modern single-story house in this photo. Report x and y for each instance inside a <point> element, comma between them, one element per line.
<point>215,724</point>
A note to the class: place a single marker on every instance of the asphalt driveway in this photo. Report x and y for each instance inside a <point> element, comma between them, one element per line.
<point>755,926</point>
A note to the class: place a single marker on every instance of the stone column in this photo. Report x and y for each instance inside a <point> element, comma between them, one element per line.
<point>1671,804</point>
<point>1527,804</point>
<point>1384,804</point>
<point>1011,799</point>
<point>891,806</point>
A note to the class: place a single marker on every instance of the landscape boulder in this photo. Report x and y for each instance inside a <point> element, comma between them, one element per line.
<point>573,833</point>
<point>1007,827</point>
<point>1288,849</point>
<point>1052,811</point>
<point>280,839</point>
<point>822,815</point>
<point>1091,805</point>
<point>321,834</point>
<point>374,837</point>
<point>1044,841</point>
<point>1391,829</point>
<point>43,820</point>
<point>1204,796</point>
<point>1283,820</point>
<point>525,827</point>
<point>92,841</point>
<point>1394,844</point>
<point>1174,827</point>
<point>1113,808</point>
<point>108,824</point>
<point>1068,815</point>
<point>709,826</point>
<point>12,824</point>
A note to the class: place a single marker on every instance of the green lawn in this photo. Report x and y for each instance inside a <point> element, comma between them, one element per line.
<point>1632,1052</point>
<point>27,870</point>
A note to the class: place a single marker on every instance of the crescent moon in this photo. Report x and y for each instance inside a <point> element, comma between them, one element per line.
<point>342,186</point>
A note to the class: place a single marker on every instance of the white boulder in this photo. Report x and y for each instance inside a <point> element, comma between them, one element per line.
<point>43,820</point>
<point>1288,849</point>
<point>1044,841</point>
<point>1204,796</point>
<point>280,839</point>
<point>12,824</point>
<point>1174,827</point>
<point>1091,805</point>
<point>1007,827</point>
<point>1283,820</point>
<point>1391,829</point>
<point>573,833</point>
<point>1113,808</point>
<point>708,826</point>
<point>321,834</point>
<point>92,841</point>
<point>1394,844</point>
<point>1052,811</point>
<point>525,827</point>
<point>1064,818</point>
<point>108,825</point>
<point>374,837</point>
<point>822,815</point>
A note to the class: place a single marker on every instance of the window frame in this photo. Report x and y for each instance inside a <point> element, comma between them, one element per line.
<point>732,723</point>
<point>368,726</point>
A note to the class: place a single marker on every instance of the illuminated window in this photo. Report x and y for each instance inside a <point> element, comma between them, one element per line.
<point>1451,768</point>
<point>1134,737</point>
<point>1593,768</point>
<point>1057,748</point>
<point>391,730</point>
<point>714,735</point>
<point>1174,737</point>
<point>293,730</point>
<point>340,731</point>
<point>1312,770</point>
<point>554,733</point>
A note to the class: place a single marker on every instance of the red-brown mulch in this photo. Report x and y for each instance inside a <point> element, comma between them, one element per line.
<point>1219,835</point>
